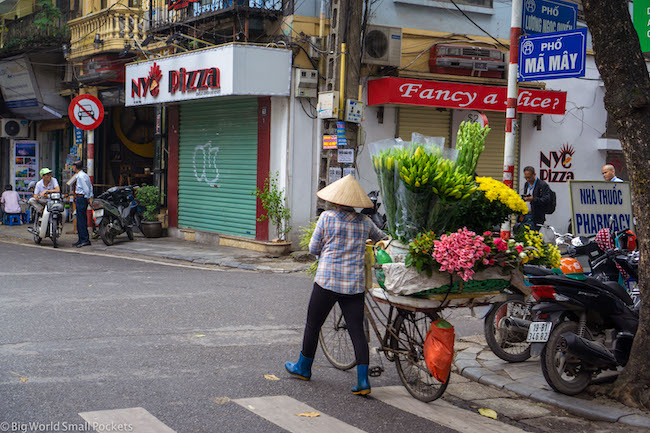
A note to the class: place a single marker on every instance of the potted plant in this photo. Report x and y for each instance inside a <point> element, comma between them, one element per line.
<point>149,197</point>
<point>274,202</point>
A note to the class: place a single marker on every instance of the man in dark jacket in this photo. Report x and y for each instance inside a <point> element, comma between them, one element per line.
<point>537,195</point>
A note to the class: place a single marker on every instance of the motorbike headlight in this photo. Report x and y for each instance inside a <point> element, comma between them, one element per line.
<point>55,196</point>
<point>576,242</point>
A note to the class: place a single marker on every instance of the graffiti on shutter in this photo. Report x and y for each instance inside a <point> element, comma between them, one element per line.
<point>204,160</point>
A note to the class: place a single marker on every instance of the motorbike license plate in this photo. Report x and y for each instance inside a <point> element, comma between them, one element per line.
<point>98,213</point>
<point>539,332</point>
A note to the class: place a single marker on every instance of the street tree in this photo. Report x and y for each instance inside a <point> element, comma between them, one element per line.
<point>627,100</point>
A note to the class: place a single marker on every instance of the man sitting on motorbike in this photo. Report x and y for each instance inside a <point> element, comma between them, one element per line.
<point>45,186</point>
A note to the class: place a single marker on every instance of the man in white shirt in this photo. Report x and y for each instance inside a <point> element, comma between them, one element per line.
<point>609,174</point>
<point>46,185</point>
<point>10,202</point>
<point>83,193</point>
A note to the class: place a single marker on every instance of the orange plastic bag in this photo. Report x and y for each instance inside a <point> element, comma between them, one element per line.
<point>439,349</point>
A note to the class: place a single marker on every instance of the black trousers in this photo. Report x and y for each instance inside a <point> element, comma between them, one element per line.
<point>321,303</point>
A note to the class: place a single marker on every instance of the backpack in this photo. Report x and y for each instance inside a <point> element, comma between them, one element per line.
<point>552,204</point>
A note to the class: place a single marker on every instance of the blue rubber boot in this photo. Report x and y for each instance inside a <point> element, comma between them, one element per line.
<point>300,369</point>
<point>363,386</point>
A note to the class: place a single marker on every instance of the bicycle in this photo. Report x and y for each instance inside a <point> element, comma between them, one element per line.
<point>402,342</point>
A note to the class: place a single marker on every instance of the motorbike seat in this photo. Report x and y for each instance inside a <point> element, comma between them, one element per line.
<point>612,287</point>
<point>537,271</point>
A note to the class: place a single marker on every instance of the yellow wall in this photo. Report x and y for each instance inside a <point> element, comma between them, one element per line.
<point>414,41</point>
<point>23,8</point>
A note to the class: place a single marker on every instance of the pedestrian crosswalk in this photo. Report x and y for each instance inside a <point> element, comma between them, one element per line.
<point>295,416</point>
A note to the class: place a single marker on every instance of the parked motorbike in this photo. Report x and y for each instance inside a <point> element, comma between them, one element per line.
<point>506,324</point>
<point>373,213</point>
<point>49,223</point>
<point>583,327</point>
<point>115,212</point>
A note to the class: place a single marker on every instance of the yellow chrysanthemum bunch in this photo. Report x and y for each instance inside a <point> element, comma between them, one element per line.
<point>495,190</point>
<point>537,251</point>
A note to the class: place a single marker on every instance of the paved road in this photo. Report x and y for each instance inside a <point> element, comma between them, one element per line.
<point>105,339</point>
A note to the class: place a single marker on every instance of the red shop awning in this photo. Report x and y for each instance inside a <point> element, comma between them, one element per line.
<point>406,91</point>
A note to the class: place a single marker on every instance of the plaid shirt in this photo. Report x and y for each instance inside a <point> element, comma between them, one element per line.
<point>340,241</point>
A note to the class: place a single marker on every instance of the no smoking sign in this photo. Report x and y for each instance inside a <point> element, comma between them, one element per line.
<point>86,112</point>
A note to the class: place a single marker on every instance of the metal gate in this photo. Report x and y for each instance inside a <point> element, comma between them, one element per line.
<point>218,166</point>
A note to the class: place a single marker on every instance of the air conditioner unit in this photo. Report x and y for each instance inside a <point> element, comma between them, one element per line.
<point>315,44</point>
<point>14,128</point>
<point>467,60</point>
<point>382,46</point>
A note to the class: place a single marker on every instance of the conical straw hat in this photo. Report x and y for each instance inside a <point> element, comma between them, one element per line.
<point>345,192</point>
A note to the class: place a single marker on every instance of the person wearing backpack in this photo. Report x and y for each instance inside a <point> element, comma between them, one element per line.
<point>539,197</point>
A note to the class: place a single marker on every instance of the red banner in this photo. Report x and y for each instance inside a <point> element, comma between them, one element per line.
<point>404,91</point>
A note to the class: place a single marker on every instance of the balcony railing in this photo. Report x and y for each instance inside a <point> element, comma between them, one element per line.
<point>164,15</point>
<point>108,30</point>
<point>22,33</point>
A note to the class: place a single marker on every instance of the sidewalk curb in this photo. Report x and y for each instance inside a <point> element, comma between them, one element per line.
<point>466,367</point>
<point>227,262</point>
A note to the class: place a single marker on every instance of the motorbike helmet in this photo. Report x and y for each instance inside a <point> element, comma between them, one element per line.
<point>44,171</point>
<point>626,240</point>
<point>572,268</point>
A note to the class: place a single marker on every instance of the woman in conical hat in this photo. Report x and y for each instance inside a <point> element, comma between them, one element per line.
<point>340,242</point>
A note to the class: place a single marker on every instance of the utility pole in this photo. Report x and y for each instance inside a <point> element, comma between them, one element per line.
<point>511,105</point>
<point>342,74</point>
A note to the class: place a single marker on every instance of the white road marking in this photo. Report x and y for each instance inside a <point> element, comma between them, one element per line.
<point>441,412</point>
<point>282,411</point>
<point>134,420</point>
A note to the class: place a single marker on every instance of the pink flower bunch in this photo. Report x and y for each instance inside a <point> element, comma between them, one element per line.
<point>500,244</point>
<point>458,252</point>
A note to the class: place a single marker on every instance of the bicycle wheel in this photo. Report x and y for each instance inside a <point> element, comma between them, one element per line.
<point>336,342</point>
<point>509,345</point>
<point>411,330</point>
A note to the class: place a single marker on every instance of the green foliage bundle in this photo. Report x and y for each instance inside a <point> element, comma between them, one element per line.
<point>420,253</point>
<point>470,143</point>
<point>479,214</point>
<point>305,237</point>
<point>274,202</point>
<point>149,197</point>
<point>412,180</point>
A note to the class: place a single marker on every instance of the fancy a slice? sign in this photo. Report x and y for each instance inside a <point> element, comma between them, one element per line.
<point>594,204</point>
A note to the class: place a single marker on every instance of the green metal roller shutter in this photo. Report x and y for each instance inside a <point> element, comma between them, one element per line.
<point>218,166</point>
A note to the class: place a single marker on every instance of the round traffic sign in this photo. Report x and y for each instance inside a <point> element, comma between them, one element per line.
<point>86,112</point>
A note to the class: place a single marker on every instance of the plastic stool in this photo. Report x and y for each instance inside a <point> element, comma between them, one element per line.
<point>25,216</point>
<point>13,219</point>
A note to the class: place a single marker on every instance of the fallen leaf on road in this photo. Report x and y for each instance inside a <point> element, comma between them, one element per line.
<point>198,335</point>
<point>308,414</point>
<point>271,377</point>
<point>23,379</point>
<point>488,413</point>
<point>221,400</point>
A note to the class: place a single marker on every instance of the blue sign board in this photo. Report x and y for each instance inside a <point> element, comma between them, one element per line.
<point>78,136</point>
<point>548,16</point>
<point>553,55</point>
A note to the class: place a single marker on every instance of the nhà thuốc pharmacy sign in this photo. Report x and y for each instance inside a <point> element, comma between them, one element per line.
<point>594,204</point>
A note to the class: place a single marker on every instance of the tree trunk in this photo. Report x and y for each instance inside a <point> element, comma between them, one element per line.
<point>627,100</point>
